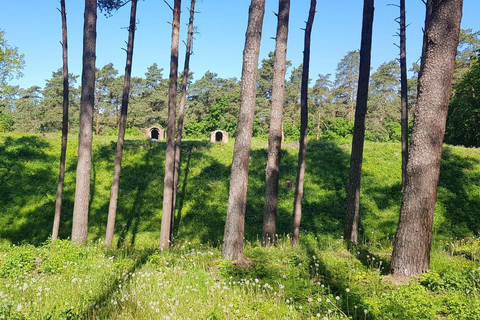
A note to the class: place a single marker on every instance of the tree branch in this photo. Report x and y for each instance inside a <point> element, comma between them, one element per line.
<point>168,4</point>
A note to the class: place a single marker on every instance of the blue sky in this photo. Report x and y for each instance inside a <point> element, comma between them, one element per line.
<point>34,27</point>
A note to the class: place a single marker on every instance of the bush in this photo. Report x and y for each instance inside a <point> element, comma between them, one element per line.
<point>337,128</point>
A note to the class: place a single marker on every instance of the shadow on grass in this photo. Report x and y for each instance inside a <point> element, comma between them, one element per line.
<point>204,196</point>
<point>103,298</point>
<point>324,201</point>
<point>28,180</point>
<point>458,191</point>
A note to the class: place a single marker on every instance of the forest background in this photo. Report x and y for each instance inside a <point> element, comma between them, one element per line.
<point>214,92</point>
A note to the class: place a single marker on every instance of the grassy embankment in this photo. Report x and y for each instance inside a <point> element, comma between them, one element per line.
<point>321,278</point>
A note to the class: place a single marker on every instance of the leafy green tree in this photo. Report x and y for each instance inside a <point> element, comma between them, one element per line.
<point>6,106</point>
<point>463,123</point>
<point>11,63</point>
<point>6,120</point>
<point>204,94</point>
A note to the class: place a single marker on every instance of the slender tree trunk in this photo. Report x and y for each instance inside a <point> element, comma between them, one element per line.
<point>235,222</point>
<point>181,112</point>
<point>403,91</point>
<point>87,103</point>
<point>356,158</point>
<point>411,251</point>
<point>97,120</point>
<point>302,151</point>
<point>112,209</point>
<point>170,152</point>
<point>275,134</point>
<point>63,152</point>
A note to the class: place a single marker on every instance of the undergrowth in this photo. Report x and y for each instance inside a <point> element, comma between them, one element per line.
<point>318,279</point>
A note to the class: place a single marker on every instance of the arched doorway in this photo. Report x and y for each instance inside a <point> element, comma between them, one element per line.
<point>154,134</point>
<point>218,136</point>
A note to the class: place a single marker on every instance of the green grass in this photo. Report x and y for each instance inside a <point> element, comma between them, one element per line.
<point>322,278</point>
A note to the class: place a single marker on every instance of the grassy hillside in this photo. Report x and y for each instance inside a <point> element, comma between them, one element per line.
<point>322,278</point>
<point>29,173</point>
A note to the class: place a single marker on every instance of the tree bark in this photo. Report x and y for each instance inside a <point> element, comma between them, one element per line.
<point>411,251</point>
<point>235,221</point>
<point>170,151</point>
<point>302,151</point>
<point>403,91</point>
<point>181,112</point>
<point>63,152</point>
<point>356,158</point>
<point>112,209</point>
<point>275,133</point>
<point>87,104</point>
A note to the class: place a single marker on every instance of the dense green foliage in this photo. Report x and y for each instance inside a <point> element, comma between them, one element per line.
<point>213,102</point>
<point>11,64</point>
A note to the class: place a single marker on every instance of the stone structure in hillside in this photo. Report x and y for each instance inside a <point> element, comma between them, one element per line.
<point>155,134</point>
<point>218,136</point>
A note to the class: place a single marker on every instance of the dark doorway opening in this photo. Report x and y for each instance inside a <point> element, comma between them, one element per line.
<point>154,134</point>
<point>218,136</point>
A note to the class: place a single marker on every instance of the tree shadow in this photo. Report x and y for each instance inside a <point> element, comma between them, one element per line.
<point>108,291</point>
<point>203,200</point>
<point>140,189</point>
<point>324,201</point>
<point>457,198</point>
<point>28,178</point>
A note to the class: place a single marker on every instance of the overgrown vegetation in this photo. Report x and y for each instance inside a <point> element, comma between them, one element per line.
<point>323,278</point>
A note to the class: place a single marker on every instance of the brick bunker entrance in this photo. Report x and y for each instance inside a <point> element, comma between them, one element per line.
<point>155,134</point>
<point>218,136</point>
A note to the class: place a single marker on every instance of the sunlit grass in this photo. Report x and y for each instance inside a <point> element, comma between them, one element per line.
<point>320,279</point>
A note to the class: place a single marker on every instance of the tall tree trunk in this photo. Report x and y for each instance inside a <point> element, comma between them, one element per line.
<point>87,104</point>
<point>112,209</point>
<point>411,251</point>
<point>63,152</point>
<point>275,134</point>
<point>356,158</point>
<point>181,112</point>
<point>235,221</point>
<point>302,151</point>
<point>170,152</point>
<point>403,91</point>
